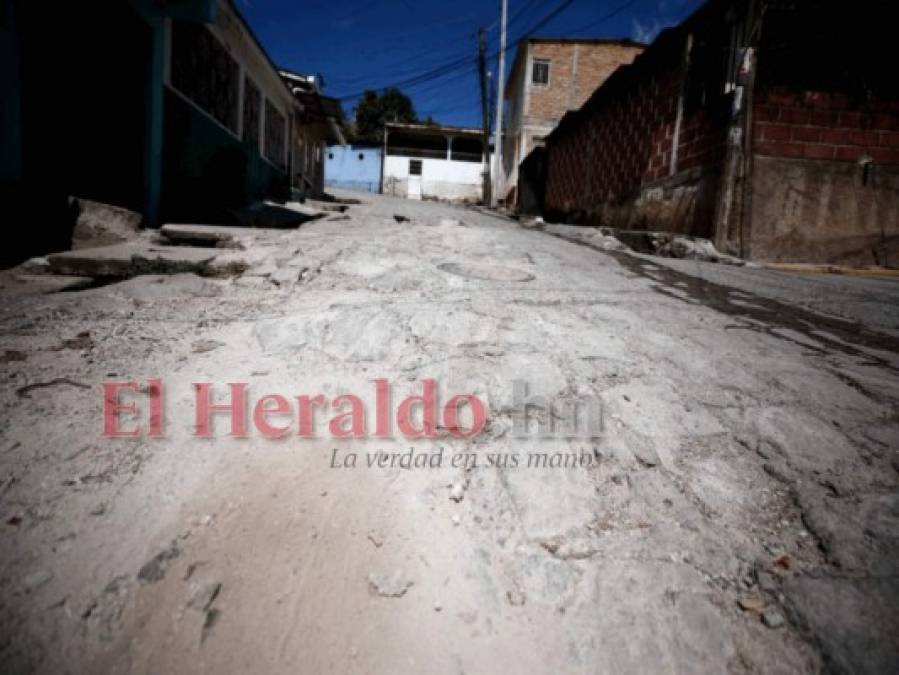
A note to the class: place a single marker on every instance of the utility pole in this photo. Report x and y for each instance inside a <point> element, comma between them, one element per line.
<point>500,83</point>
<point>485,114</point>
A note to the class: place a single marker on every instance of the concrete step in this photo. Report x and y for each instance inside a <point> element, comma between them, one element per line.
<point>134,258</point>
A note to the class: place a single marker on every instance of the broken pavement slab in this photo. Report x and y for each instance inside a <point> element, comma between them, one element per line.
<point>134,258</point>
<point>208,235</point>
<point>38,284</point>
<point>276,216</point>
<point>102,224</point>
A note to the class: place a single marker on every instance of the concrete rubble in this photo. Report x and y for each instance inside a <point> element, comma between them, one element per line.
<point>663,244</point>
<point>205,250</point>
<point>102,225</point>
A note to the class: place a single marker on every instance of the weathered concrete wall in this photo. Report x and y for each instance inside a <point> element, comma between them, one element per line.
<point>824,211</point>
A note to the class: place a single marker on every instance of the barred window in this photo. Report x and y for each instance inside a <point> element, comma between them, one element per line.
<point>203,70</point>
<point>540,73</point>
<point>252,109</point>
<point>275,133</point>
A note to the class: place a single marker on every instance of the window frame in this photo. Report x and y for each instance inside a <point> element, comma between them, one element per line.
<point>541,62</point>
<point>418,164</point>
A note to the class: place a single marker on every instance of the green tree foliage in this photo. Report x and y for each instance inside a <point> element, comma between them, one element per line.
<point>374,110</point>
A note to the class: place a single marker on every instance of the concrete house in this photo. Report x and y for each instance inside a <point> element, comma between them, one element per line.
<point>317,120</point>
<point>172,109</point>
<point>227,120</point>
<point>433,162</point>
<point>549,77</point>
<point>354,167</point>
<point>771,128</point>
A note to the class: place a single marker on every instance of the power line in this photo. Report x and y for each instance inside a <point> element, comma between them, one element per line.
<point>465,63</point>
<point>545,20</point>
<point>456,64</point>
<point>521,10</point>
<point>615,12</point>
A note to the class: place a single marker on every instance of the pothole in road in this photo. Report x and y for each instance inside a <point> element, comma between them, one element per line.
<point>485,272</point>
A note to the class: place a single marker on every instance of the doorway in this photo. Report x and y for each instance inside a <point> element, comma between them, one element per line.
<point>415,171</point>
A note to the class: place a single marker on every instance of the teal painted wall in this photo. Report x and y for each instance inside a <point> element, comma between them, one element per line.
<point>206,170</point>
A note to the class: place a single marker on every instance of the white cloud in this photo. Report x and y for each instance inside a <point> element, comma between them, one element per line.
<point>646,32</point>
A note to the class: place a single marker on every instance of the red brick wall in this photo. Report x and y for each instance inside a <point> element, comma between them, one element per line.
<point>795,124</point>
<point>620,143</point>
<point>612,147</point>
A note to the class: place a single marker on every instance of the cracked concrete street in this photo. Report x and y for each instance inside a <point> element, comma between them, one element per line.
<point>740,514</point>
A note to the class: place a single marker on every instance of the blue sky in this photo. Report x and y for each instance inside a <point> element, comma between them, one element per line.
<point>359,44</point>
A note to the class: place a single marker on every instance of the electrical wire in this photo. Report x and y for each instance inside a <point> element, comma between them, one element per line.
<point>460,63</point>
<point>465,63</point>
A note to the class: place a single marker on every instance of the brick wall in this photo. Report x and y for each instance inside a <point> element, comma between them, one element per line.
<point>796,124</point>
<point>604,161</point>
<point>571,84</point>
<point>825,183</point>
<point>818,178</point>
<point>576,69</point>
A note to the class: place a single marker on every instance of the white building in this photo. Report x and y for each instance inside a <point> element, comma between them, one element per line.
<point>433,162</point>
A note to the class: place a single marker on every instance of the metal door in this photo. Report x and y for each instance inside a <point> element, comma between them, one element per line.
<point>415,172</point>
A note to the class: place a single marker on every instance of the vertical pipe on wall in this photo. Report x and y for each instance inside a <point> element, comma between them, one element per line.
<point>572,90</point>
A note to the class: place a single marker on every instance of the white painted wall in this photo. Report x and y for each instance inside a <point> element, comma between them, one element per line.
<point>440,178</point>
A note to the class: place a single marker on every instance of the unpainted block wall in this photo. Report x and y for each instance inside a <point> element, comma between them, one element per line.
<point>611,162</point>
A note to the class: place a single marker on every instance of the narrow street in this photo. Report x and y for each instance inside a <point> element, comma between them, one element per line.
<point>737,513</point>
